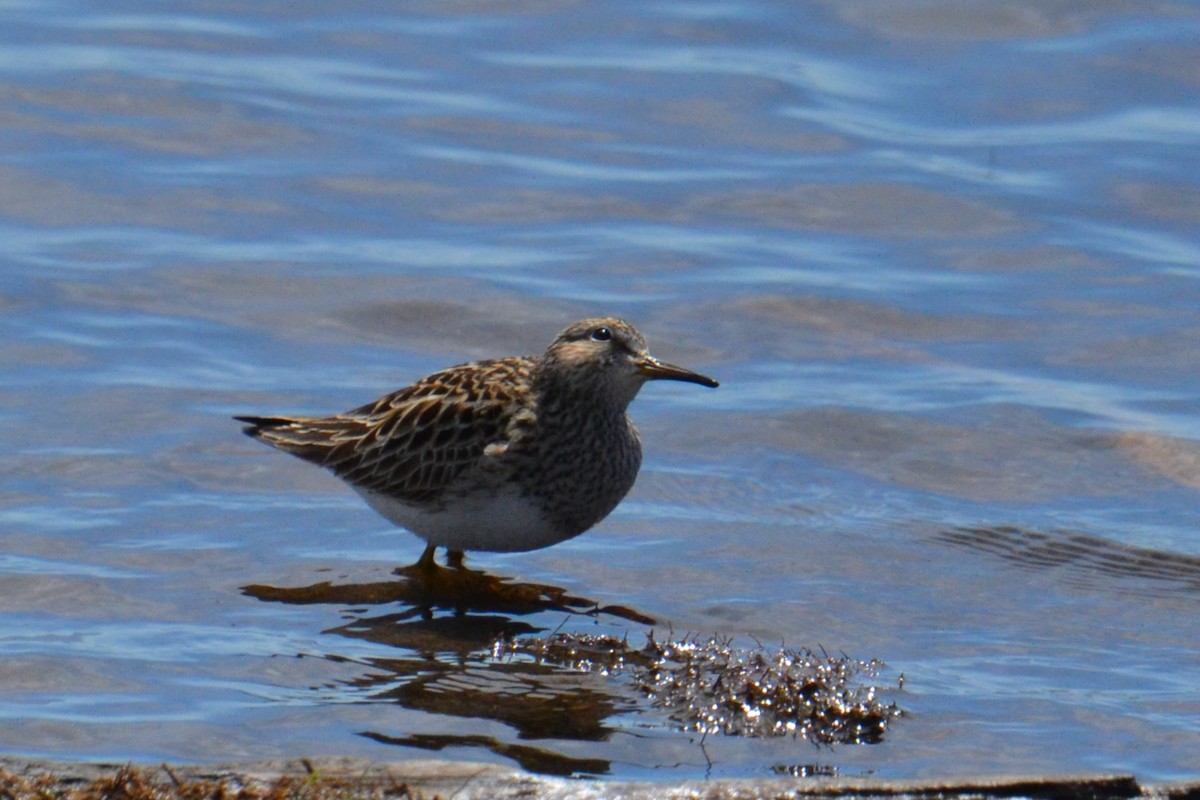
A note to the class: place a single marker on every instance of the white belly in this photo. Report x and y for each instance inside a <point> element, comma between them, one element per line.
<point>505,522</point>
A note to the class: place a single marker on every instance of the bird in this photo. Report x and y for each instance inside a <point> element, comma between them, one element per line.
<point>501,455</point>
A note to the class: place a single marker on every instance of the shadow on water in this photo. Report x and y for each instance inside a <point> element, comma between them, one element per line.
<point>462,653</point>
<point>1083,560</point>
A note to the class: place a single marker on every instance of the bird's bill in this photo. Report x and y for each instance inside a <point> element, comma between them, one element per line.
<point>656,370</point>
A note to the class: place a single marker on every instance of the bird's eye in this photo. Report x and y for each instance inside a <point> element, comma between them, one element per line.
<point>601,335</point>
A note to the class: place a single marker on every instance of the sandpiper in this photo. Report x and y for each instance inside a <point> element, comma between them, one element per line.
<point>507,454</point>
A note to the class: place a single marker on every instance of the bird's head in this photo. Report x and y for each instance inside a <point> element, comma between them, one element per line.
<point>608,356</point>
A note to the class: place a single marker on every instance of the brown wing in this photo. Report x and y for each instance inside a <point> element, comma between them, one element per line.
<point>413,443</point>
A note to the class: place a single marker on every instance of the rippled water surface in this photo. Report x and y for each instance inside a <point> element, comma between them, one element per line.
<point>942,257</point>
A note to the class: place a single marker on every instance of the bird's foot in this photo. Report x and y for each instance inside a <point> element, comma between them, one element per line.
<point>427,564</point>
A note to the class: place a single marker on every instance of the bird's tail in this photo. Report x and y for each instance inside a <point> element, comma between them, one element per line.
<point>315,439</point>
<point>258,426</point>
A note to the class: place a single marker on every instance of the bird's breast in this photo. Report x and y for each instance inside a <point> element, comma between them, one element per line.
<point>580,476</point>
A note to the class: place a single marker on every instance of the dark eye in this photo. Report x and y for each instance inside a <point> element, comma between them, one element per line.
<point>601,335</point>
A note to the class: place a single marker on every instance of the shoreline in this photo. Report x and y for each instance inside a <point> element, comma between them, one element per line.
<point>335,778</point>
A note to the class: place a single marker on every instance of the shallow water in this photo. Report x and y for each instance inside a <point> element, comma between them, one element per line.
<point>941,256</point>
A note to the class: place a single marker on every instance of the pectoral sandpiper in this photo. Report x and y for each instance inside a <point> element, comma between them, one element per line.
<point>506,454</point>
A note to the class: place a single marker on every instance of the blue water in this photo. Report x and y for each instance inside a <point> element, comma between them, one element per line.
<point>943,259</point>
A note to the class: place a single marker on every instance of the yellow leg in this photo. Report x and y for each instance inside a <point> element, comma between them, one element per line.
<point>426,562</point>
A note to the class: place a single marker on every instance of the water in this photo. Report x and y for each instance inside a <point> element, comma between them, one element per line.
<point>942,258</point>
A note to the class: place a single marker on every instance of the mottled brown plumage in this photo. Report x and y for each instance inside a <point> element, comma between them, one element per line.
<point>505,454</point>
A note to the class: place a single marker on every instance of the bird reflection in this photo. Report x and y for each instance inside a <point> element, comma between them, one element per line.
<point>444,625</point>
<point>458,589</point>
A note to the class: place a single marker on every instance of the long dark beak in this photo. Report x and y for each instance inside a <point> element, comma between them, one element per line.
<point>656,370</point>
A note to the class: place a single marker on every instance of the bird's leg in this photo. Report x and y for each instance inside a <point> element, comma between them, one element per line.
<point>426,563</point>
<point>454,558</point>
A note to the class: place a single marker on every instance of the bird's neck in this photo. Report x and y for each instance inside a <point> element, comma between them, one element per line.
<point>564,398</point>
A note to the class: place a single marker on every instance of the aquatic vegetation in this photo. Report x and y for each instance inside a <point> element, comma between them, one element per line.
<point>135,783</point>
<point>714,686</point>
